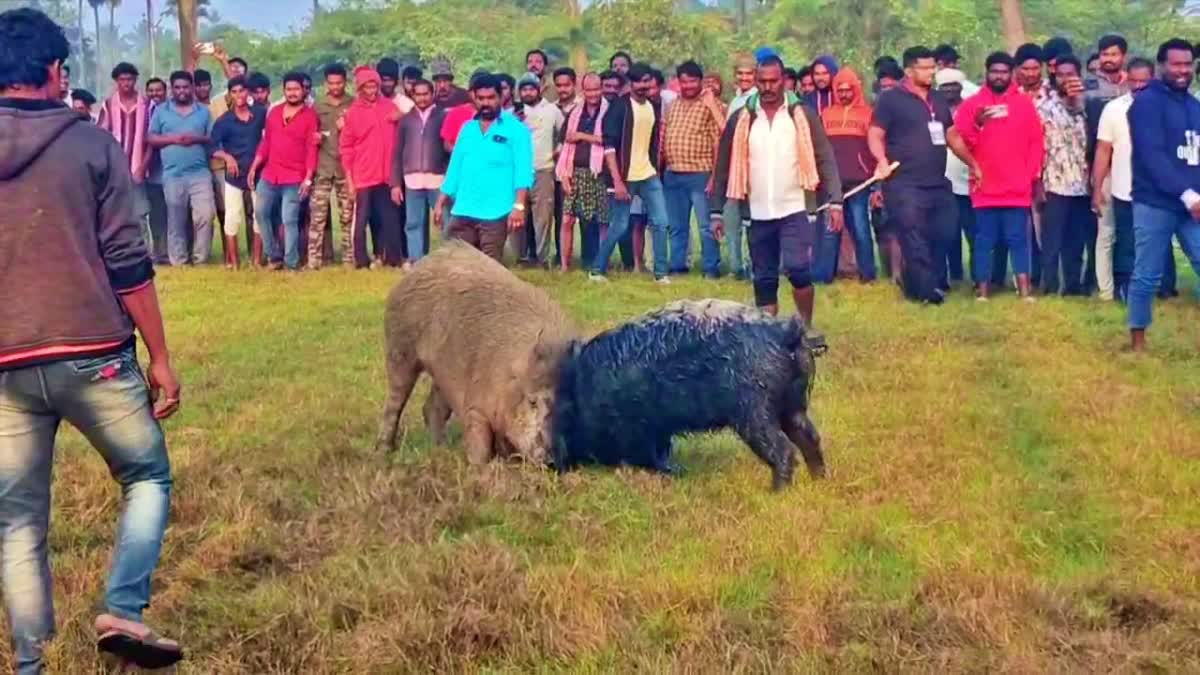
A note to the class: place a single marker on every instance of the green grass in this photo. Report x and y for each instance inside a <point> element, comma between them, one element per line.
<point>1008,490</point>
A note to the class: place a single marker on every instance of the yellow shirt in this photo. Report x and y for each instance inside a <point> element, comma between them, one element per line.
<point>640,166</point>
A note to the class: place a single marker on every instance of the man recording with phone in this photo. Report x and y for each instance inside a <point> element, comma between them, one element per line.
<point>1003,132</point>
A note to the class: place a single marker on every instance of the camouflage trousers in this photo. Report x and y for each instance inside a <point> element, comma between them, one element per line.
<point>324,188</point>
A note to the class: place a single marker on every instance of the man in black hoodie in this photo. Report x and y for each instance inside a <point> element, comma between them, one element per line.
<point>67,348</point>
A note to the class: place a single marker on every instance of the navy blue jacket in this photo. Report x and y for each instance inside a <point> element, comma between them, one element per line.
<point>1164,126</point>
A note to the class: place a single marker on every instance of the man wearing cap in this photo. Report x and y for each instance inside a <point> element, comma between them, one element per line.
<point>389,85</point>
<point>367,139</point>
<point>953,84</point>
<point>445,93</point>
<point>545,121</point>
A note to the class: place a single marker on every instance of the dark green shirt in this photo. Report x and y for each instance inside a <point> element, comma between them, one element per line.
<point>329,160</point>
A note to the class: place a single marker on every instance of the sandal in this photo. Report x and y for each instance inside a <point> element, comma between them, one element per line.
<point>135,643</point>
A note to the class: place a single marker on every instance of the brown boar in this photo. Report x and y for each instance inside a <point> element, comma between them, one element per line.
<point>492,344</point>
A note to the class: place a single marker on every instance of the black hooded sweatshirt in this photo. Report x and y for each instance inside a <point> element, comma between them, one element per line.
<point>69,243</point>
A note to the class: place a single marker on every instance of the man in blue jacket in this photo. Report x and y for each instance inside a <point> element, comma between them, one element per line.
<point>1165,125</point>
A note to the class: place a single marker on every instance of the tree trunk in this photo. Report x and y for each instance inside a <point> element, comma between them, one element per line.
<point>80,66</point>
<point>740,16</point>
<point>1013,20</point>
<point>112,33</point>
<point>187,33</point>
<point>316,8</point>
<point>150,37</point>
<point>99,72</point>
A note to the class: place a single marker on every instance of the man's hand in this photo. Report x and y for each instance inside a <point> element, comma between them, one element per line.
<point>1039,192</point>
<point>397,196</point>
<point>317,137</point>
<point>1195,211</point>
<point>395,117</point>
<point>835,219</point>
<point>717,224</point>
<point>977,173</point>
<point>708,188</point>
<point>1098,204</point>
<point>883,170</point>
<point>567,186</point>
<point>231,169</point>
<point>305,188</point>
<point>350,186</point>
<point>250,177</point>
<point>438,210</point>
<point>220,54</point>
<point>164,389</point>
<point>516,219</point>
<point>341,123</point>
<point>620,191</point>
<point>876,199</point>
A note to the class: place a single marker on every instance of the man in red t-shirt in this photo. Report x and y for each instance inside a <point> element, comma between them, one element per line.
<point>458,116</point>
<point>286,162</point>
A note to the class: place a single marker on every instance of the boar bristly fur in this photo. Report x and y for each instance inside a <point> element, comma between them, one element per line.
<point>492,344</point>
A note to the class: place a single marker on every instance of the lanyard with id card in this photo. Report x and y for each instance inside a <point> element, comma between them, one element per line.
<point>937,133</point>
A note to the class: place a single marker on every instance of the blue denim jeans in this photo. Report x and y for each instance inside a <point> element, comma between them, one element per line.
<point>417,206</point>
<point>287,199</point>
<point>992,225</point>
<point>181,193</point>
<point>651,192</point>
<point>685,194</point>
<point>734,229</point>
<point>1152,232</point>
<point>856,213</point>
<point>107,400</point>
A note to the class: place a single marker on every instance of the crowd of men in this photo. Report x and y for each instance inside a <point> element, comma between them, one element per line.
<point>1034,169</point>
<point>1078,180</point>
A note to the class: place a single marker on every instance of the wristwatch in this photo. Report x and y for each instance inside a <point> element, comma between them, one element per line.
<point>519,207</point>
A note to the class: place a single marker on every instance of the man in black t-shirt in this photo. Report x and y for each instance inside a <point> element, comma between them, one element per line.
<point>913,126</point>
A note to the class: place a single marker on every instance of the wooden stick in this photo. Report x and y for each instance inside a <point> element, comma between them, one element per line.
<point>873,180</point>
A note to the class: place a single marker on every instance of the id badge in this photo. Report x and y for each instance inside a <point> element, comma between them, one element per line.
<point>937,133</point>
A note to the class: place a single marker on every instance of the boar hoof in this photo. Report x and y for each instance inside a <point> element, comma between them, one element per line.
<point>817,471</point>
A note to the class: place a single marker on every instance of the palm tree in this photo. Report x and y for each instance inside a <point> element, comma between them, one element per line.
<point>150,24</point>
<point>96,15</point>
<point>112,29</point>
<point>187,10</point>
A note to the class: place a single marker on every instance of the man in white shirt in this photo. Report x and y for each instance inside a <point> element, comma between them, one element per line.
<point>545,121</point>
<point>1112,188</point>
<point>772,152</point>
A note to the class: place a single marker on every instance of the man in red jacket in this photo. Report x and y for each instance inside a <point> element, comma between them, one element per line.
<point>287,159</point>
<point>1003,134</point>
<point>366,143</point>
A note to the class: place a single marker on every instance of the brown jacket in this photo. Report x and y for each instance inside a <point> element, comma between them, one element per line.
<point>69,242</point>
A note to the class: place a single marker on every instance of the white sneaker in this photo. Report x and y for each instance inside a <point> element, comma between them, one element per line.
<point>598,278</point>
<point>666,281</point>
<point>982,298</point>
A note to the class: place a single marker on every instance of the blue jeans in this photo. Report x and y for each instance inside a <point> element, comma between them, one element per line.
<point>179,193</point>
<point>734,229</point>
<point>1010,225</point>
<point>1152,232</point>
<point>651,192</point>
<point>107,400</point>
<point>825,251</point>
<point>685,194</point>
<point>417,206</point>
<point>856,212</point>
<point>287,199</point>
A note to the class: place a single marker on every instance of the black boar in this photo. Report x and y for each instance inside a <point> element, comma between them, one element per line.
<point>492,344</point>
<point>691,366</point>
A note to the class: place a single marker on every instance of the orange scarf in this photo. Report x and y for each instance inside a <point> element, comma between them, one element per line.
<point>739,161</point>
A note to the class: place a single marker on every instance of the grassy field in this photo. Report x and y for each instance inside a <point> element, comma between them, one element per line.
<point>1009,490</point>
